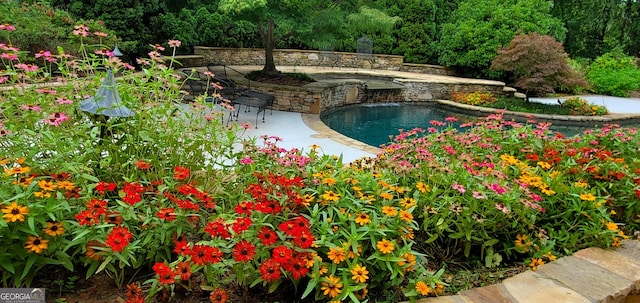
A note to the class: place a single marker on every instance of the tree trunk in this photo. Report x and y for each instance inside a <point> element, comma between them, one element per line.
<point>269,44</point>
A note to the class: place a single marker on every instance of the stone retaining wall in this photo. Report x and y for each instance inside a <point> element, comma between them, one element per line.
<point>295,57</point>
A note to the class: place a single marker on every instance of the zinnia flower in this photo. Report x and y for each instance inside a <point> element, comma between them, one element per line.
<point>36,244</point>
<point>331,287</point>
<point>14,212</point>
<point>336,255</point>
<point>423,288</point>
<point>244,251</point>
<point>385,246</point>
<point>54,229</point>
<point>362,219</point>
<point>218,296</point>
<point>359,273</point>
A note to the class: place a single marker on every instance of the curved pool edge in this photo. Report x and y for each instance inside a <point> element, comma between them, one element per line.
<point>314,122</point>
<point>564,120</point>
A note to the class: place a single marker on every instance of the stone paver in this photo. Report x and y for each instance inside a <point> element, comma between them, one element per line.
<point>614,262</point>
<point>447,299</point>
<point>591,281</point>
<point>487,294</point>
<point>530,287</point>
<point>630,249</point>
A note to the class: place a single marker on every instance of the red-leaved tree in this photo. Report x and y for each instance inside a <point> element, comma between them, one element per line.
<point>538,64</point>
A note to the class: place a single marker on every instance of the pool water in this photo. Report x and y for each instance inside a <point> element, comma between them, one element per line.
<point>376,124</point>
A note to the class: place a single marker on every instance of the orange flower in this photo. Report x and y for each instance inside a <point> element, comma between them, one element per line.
<point>336,255</point>
<point>331,287</point>
<point>362,219</point>
<point>423,288</point>
<point>385,246</point>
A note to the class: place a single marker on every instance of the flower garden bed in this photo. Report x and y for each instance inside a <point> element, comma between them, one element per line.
<point>170,202</point>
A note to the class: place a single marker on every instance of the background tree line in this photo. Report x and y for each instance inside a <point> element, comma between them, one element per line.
<point>462,34</point>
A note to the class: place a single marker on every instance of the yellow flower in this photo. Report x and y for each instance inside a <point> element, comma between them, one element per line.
<point>535,262</point>
<point>522,242</point>
<point>54,229</point>
<point>587,197</point>
<point>359,273</point>
<point>386,196</point>
<point>363,219</point>
<point>423,187</point>
<point>406,216</point>
<point>385,246</point>
<point>16,170</point>
<point>407,203</point>
<point>408,259</point>
<point>68,185</point>
<point>331,196</point>
<point>14,212</point>
<point>423,288</point>
<point>46,185</point>
<point>36,245</point>
<point>329,181</point>
<point>336,255</point>
<point>580,184</point>
<point>331,287</point>
<point>550,256</point>
<point>612,226</point>
<point>361,293</point>
<point>548,192</point>
<point>544,165</point>
<point>42,194</point>
<point>389,211</point>
<point>356,188</point>
<point>350,253</point>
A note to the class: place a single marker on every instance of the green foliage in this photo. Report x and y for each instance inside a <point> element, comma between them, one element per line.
<point>475,98</point>
<point>614,74</point>
<point>479,27</point>
<point>521,105</point>
<point>42,28</point>
<point>580,106</point>
<point>538,64</point>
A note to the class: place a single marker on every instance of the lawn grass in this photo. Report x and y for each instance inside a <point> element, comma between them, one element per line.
<point>520,105</point>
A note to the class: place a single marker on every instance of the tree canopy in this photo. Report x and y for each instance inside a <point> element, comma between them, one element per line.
<point>538,64</point>
<point>479,27</point>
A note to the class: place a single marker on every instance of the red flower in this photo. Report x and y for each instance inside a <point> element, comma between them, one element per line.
<point>244,208</point>
<point>218,296</point>
<point>182,248</point>
<point>304,239</point>
<point>103,187</point>
<point>244,251</point>
<point>143,165</point>
<point>267,236</point>
<point>241,224</point>
<point>166,214</point>
<point>204,254</point>
<point>183,269</point>
<point>297,267</point>
<point>164,272</point>
<point>118,238</point>
<point>218,228</point>
<point>282,254</point>
<point>132,198</point>
<point>97,206</point>
<point>270,270</point>
<point>638,194</point>
<point>87,217</point>
<point>181,173</point>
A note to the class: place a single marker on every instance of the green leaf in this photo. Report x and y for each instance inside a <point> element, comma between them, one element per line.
<point>6,264</point>
<point>310,287</point>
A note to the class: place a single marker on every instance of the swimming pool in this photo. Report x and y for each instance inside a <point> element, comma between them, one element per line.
<point>376,124</point>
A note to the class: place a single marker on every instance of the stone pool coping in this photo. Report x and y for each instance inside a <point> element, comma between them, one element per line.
<point>589,275</point>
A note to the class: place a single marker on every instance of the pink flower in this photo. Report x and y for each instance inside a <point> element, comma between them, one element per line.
<point>34,108</point>
<point>174,43</point>
<point>459,188</point>
<point>4,79</point>
<point>451,119</point>
<point>56,119</point>
<point>7,27</point>
<point>497,188</point>
<point>45,54</point>
<point>246,160</point>
<point>157,47</point>
<point>64,101</point>
<point>246,125</point>
<point>503,208</point>
<point>27,67</point>
<point>100,34</point>
<point>478,195</point>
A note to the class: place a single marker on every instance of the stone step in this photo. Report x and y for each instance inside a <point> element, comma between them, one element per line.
<point>590,275</point>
